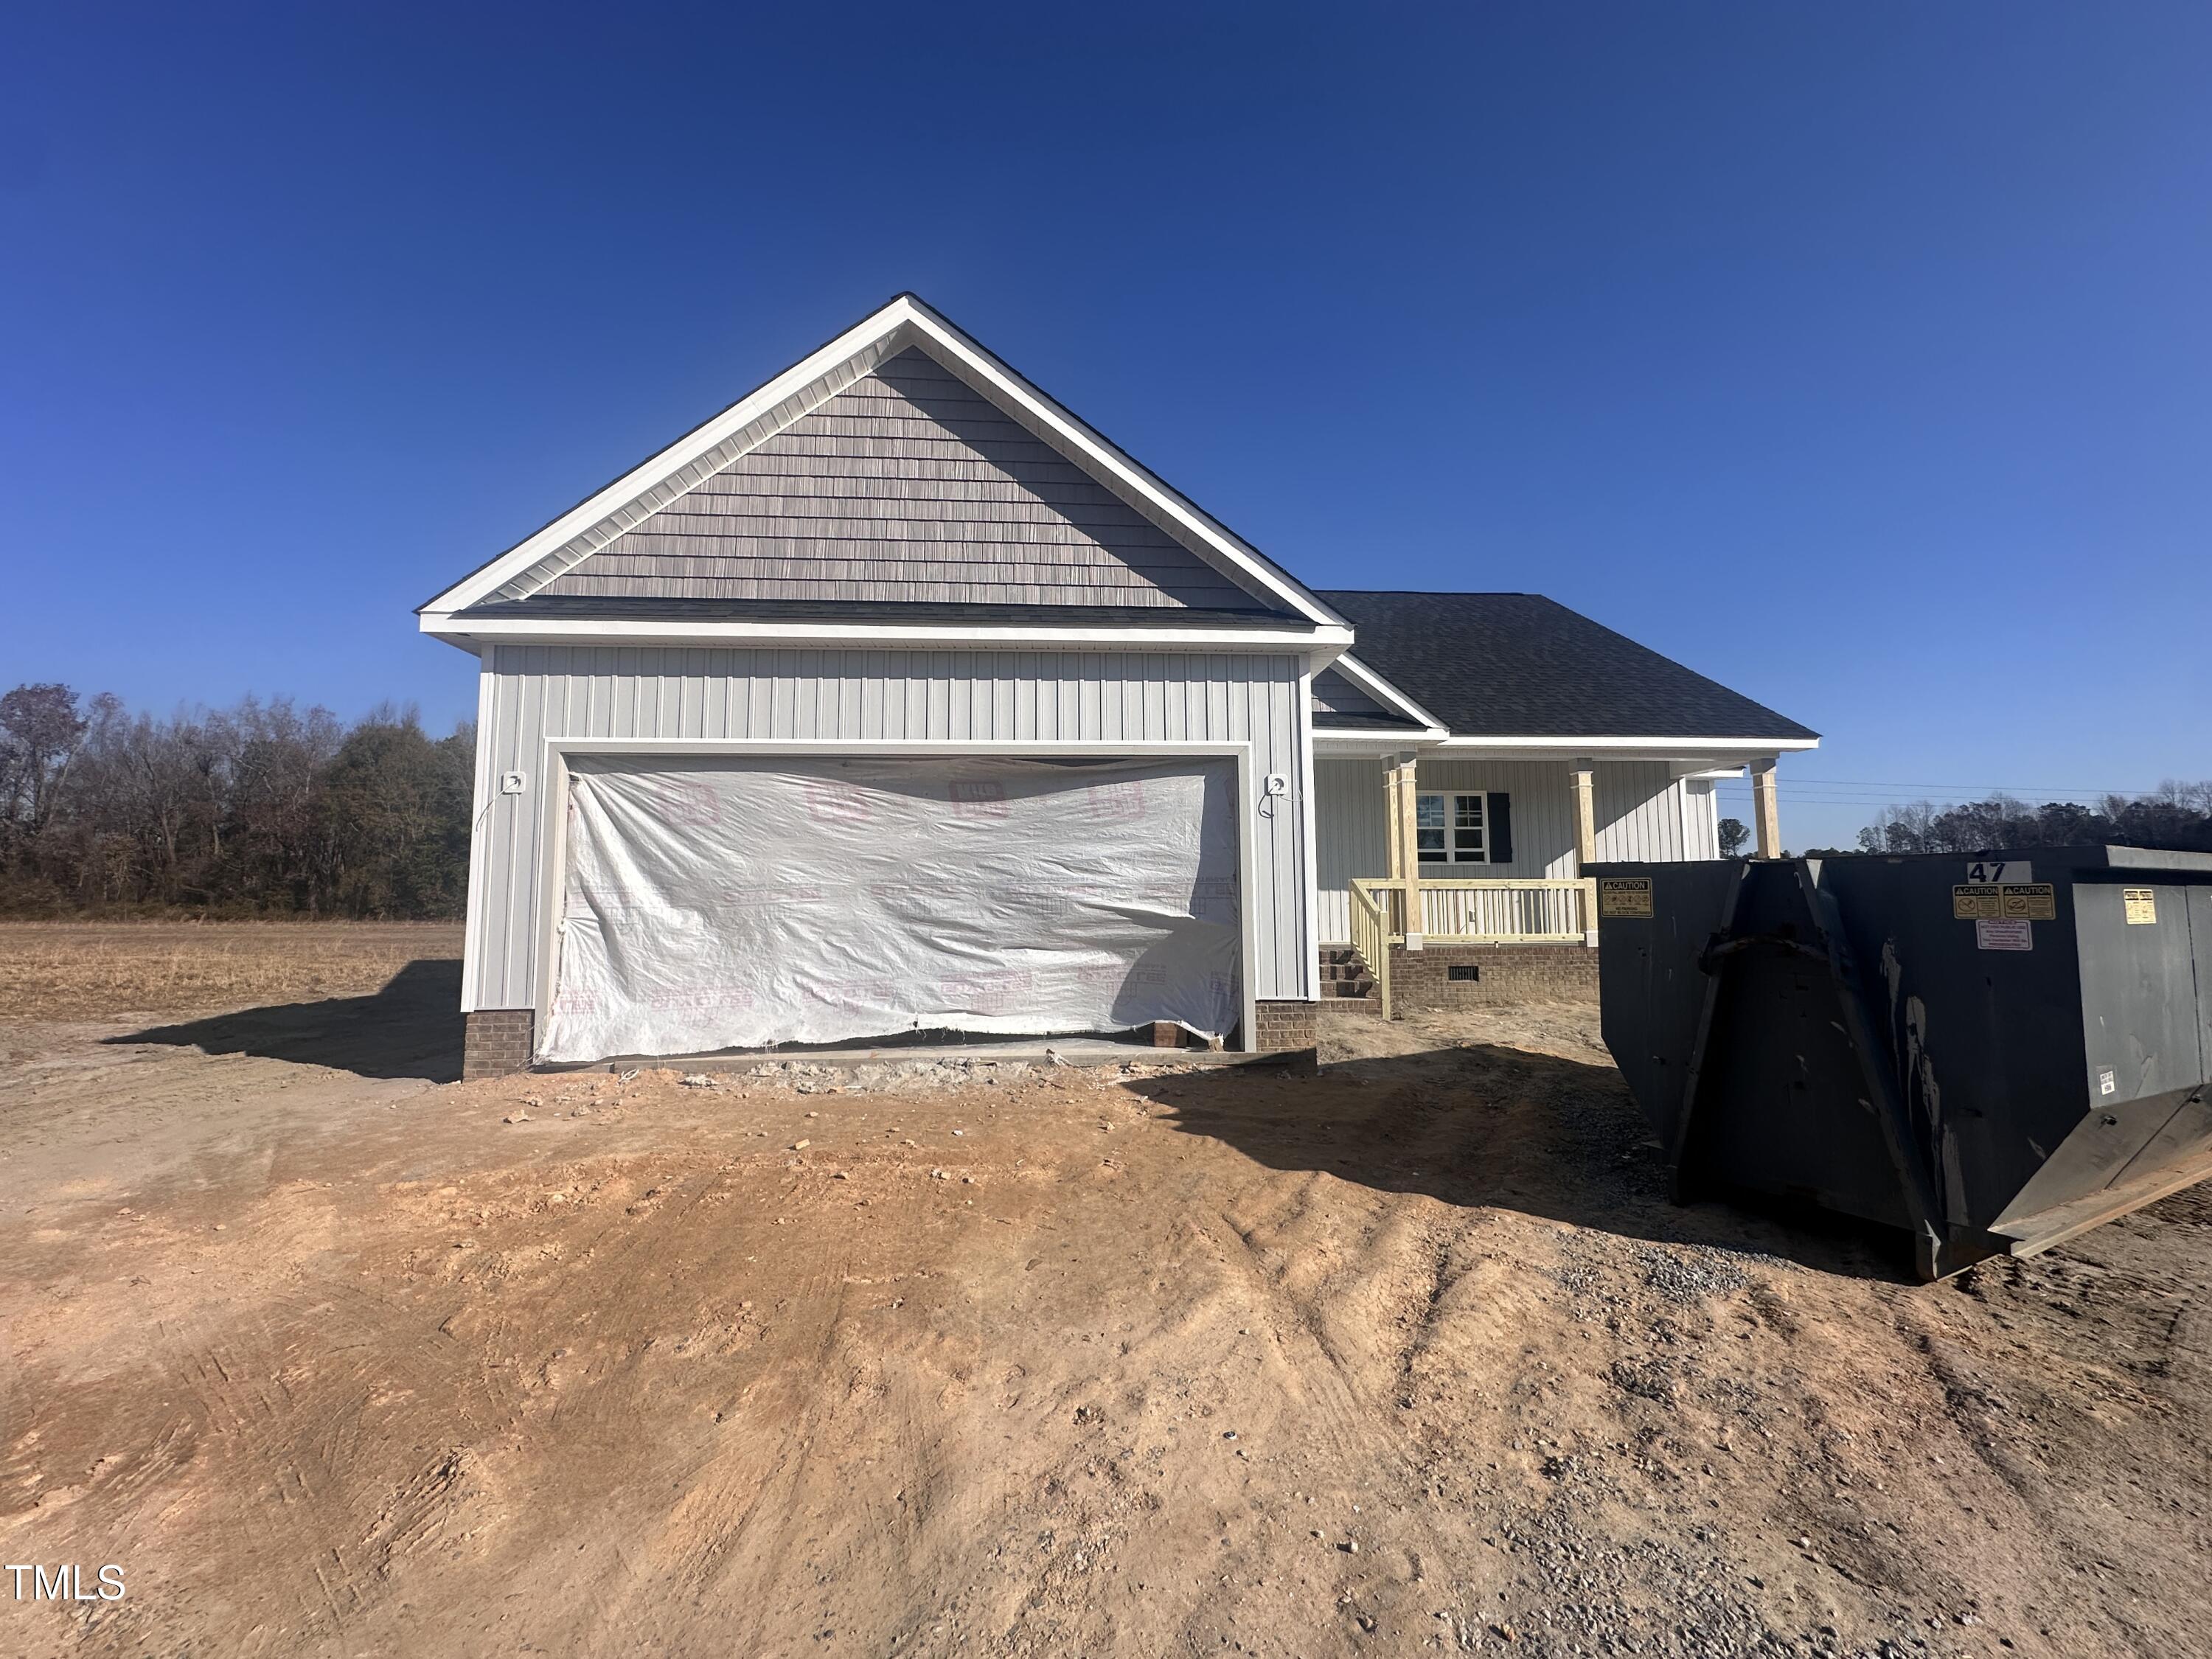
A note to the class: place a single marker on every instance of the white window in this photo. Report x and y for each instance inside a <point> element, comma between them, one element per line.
<point>1451,829</point>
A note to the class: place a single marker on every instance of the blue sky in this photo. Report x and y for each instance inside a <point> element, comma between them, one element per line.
<point>1858,355</point>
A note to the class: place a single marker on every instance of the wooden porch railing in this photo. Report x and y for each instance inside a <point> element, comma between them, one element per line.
<point>1529,911</point>
<point>1371,936</point>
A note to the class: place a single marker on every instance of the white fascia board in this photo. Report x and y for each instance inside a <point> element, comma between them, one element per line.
<point>584,630</point>
<point>1309,874</point>
<point>1094,451</point>
<point>1339,744</point>
<point>1638,748</point>
<point>681,454</point>
<point>1383,691</point>
<point>1040,748</point>
<point>1698,772</point>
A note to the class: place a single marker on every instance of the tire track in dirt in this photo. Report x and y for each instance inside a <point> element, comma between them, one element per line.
<point>714,1527</point>
<point>238,1414</point>
<point>1320,1377</point>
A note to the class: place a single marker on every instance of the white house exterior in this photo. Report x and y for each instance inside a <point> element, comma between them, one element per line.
<point>1645,810</point>
<point>830,720</point>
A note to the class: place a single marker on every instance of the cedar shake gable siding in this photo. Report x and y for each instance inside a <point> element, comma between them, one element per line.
<point>906,487</point>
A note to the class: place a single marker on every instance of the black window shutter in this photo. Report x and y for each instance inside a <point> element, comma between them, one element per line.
<point>1501,828</point>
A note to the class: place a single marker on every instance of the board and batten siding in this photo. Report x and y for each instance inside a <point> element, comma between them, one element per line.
<point>1701,819</point>
<point>532,693</point>
<point>1642,813</point>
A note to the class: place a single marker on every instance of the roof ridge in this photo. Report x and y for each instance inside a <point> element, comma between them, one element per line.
<point>1445,592</point>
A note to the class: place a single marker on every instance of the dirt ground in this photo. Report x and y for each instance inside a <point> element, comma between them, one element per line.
<point>70,970</point>
<point>330,1354</point>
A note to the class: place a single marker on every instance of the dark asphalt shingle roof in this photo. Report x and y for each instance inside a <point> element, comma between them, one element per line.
<point>1519,665</point>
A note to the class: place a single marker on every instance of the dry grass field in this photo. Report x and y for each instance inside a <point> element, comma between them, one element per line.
<point>85,970</point>
<point>331,1357</point>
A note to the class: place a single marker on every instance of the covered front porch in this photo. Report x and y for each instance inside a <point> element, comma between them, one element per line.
<point>1460,845</point>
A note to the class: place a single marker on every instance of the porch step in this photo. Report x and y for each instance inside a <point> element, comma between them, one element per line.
<point>1345,980</point>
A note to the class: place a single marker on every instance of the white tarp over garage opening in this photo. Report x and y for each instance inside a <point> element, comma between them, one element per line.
<point>740,903</point>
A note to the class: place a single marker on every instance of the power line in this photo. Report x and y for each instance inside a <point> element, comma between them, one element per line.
<point>1813,790</point>
<point>1872,801</point>
<point>2002,788</point>
<point>1865,805</point>
<point>1816,793</point>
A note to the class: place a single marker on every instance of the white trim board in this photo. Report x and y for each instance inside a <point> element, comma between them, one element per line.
<point>553,805</point>
<point>470,632</point>
<point>1690,756</point>
<point>905,321</point>
<point>1308,849</point>
<point>1341,743</point>
<point>1383,691</point>
<point>480,806</point>
<point>1638,748</point>
<point>488,578</point>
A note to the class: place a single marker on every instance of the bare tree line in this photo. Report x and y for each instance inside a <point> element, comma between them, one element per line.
<point>267,808</point>
<point>2175,815</point>
<point>260,808</point>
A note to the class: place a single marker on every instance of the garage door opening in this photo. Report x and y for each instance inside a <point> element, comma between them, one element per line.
<point>742,902</point>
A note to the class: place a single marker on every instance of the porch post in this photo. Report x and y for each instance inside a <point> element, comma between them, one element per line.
<point>1765,809</point>
<point>1394,864</point>
<point>1583,778</point>
<point>1401,787</point>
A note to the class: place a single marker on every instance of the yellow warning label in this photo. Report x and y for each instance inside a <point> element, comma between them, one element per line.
<point>1623,896</point>
<point>1974,902</point>
<point>2033,900</point>
<point>2142,905</point>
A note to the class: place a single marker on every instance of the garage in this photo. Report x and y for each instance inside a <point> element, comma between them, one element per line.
<point>741,901</point>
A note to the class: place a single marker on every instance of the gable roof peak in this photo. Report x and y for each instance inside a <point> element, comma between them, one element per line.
<point>903,322</point>
<point>906,487</point>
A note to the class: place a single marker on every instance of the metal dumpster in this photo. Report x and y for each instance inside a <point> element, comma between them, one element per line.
<point>1991,1053</point>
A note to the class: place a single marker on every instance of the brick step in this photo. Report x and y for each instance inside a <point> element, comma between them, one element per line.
<point>1350,1008</point>
<point>1346,982</point>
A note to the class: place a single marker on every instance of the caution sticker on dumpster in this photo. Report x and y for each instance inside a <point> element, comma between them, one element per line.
<point>2142,905</point>
<point>2011,900</point>
<point>1975,901</point>
<point>1623,896</point>
<point>2005,933</point>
